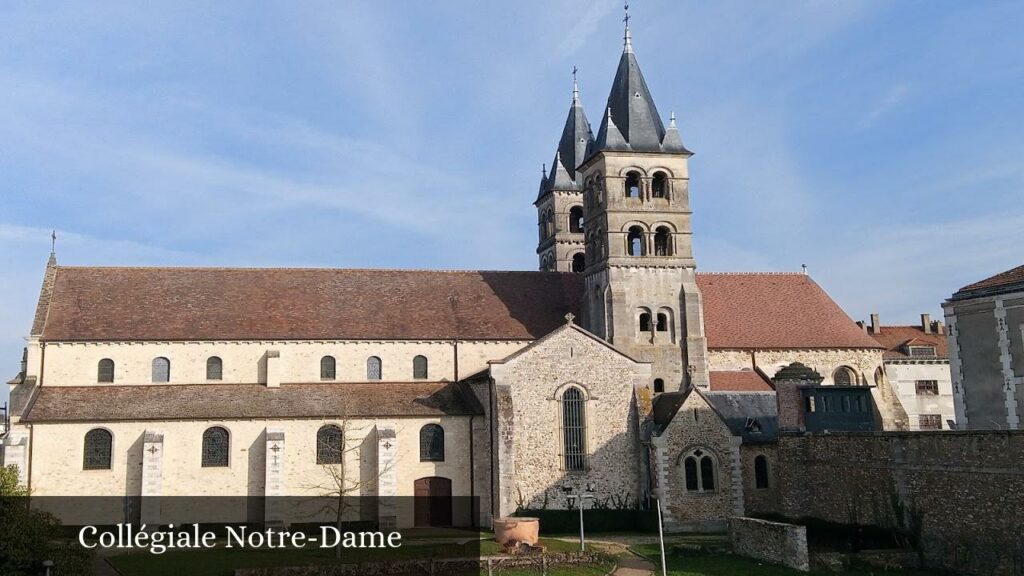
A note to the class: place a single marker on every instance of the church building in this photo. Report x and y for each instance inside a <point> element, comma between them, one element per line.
<point>616,368</point>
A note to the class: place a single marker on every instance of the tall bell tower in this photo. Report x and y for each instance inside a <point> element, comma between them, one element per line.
<point>640,274</point>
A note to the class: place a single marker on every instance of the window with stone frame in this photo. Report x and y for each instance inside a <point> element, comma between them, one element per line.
<point>328,368</point>
<point>699,471</point>
<point>161,370</point>
<point>925,351</point>
<point>328,445</point>
<point>930,421</point>
<point>844,376</point>
<point>374,368</point>
<point>419,367</point>
<point>214,368</point>
<point>761,471</point>
<point>216,446</point>
<point>574,430</point>
<point>105,371</point>
<point>97,449</point>
<point>432,443</point>
<point>926,387</point>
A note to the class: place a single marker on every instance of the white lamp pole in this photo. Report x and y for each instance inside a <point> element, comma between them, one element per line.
<point>579,497</point>
<point>661,538</point>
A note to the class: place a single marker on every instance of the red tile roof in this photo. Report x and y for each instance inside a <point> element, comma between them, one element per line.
<point>774,311</point>
<point>1014,276</point>
<point>121,304</point>
<point>243,401</point>
<point>894,337</point>
<point>739,381</point>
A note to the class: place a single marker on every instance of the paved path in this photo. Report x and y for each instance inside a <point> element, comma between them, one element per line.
<point>633,565</point>
<point>102,568</point>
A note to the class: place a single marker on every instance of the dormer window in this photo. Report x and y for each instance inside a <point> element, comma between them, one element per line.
<point>923,351</point>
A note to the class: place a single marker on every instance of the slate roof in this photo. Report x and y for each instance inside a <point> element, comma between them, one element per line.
<point>752,415</point>
<point>893,338</point>
<point>572,148</point>
<point>1008,281</point>
<point>757,310</point>
<point>739,381</point>
<point>244,401</point>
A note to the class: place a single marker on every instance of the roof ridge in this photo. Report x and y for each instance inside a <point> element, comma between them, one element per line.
<point>313,269</point>
<point>752,274</point>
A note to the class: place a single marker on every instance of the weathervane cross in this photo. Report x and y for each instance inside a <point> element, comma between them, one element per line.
<point>53,241</point>
<point>625,7</point>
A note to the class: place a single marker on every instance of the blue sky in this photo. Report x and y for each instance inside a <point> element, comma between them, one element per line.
<point>879,142</point>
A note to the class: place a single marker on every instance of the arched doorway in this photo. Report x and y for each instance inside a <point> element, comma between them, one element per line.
<point>433,501</point>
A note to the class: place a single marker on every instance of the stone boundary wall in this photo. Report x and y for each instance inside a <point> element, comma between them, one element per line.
<point>774,542</point>
<point>427,566</point>
<point>959,493</point>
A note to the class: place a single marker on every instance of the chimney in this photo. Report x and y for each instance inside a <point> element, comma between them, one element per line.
<point>273,369</point>
<point>926,323</point>
<point>940,328</point>
<point>876,326</point>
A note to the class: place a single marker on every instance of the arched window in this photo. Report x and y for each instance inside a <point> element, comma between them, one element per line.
<point>579,262</point>
<point>105,370</point>
<point>328,445</point>
<point>659,385</point>
<point>216,444</point>
<point>419,367</point>
<point>574,429</point>
<point>161,370</point>
<point>635,241</point>
<point>214,368</point>
<point>576,219</point>
<point>632,185</point>
<point>327,368</point>
<point>645,321</point>
<point>699,471</point>
<point>659,185</point>
<point>761,471</point>
<point>662,242</point>
<point>550,221</point>
<point>879,376</point>
<point>373,368</point>
<point>662,322</point>
<point>432,443</point>
<point>844,376</point>
<point>98,443</point>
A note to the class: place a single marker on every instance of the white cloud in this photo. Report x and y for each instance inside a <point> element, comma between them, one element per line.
<point>893,97</point>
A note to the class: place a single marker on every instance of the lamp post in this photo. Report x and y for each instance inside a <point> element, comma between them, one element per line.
<point>48,564</point>
<point>661,537</point>
<point>579,496</point>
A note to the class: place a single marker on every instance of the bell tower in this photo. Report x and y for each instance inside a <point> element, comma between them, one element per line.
<point>640,273</point>
<point>560,201</point>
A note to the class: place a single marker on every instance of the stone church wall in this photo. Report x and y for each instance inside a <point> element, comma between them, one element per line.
<point>759,500</point>
<point>965,489</point>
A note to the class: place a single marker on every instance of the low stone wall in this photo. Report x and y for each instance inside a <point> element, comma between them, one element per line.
<point>775,542</point>
<point>427,567</point>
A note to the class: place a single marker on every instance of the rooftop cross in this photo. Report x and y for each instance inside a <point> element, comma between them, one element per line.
<point>628,38</point>
<point>53,241</point>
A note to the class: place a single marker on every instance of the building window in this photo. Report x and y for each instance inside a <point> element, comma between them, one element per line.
<point>662,242</point>
<point>659,185</point>
<point>699,470</point>
<point>927,387</point>
<point>576,219</point>
<point>844,376</point>
<point>662,322</point>
<point>432,443</point>
<point>635,241</point>
<point>579,262</point>
<point>419,367</point>
<point>928,351</point>
<point>98,443</point>
<point>161,370</point>
<point>761,471</point>
<point>574,429</point>
<point>373,368</point>
<point>327,368</point>
<point>930,421</point>
<point>632,185</point>
<point>328,445</point>
<point>214,368</point>
<point>215,447</point>
<point>105,370</point>
<point>645,321</point>
<point>659,385</point>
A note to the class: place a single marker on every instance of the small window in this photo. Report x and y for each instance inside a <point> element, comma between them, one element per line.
<point>930,421</point>
<point>373,368</point>
<point>576,219</point>
<point>161,370</point>
<point>328,445</point>
<point>216,444</point>
<point>844,376</point>
<point>659,185</point>
<point>699,471</point>
<point>574,430</point>
<point>214,368</point>
<point>662,242</point>
<point>579,262</point>
<point>922,351</point>
<point>105,371</point>
<point>327,368</point>
<point>632,185</point>
<point>809,404</point>
<point>662,322</point>
<point>927,387</point>
<point>761,471</point>
<point>635,241</point>
<point>659,385</point>
<point>645,321</point>
<point>432,443</point>
<point>98,443</point>
<point>419,367</point>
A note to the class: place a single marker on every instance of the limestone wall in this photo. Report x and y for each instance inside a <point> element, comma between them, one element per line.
<point>964,489</point>
<point>759,500</point>
<point>774,542</point>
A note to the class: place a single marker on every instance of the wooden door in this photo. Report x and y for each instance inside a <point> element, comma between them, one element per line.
<point>433,501</point>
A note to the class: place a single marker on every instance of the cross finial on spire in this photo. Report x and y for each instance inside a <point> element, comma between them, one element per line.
<point>543,170</point>
<point>569,318</point>
<point>628,38</point>
<point>53,242</point>
<point>575,87</point>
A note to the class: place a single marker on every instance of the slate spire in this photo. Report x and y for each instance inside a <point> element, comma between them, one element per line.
<point>576,139</point>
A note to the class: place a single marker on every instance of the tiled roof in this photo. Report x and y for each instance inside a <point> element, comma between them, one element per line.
<point>1010,277</point>
<point>774,311</point>
<point>739,381</point>
<point>893,339</point>
<point>244,401</point>
<point>306,304</point>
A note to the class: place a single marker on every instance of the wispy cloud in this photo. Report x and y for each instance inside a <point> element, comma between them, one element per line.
<point>593,15</point>
<point>893,97</point>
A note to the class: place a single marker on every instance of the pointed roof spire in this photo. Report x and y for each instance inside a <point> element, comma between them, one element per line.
<point>573,145</point>
<point>673,142</point>
<point>627,39</point>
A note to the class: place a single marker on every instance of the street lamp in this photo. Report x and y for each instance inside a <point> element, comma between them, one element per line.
<point>579,497</point>
<point>48,564</point>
